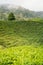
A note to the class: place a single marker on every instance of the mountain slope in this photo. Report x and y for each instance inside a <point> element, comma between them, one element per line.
<point>19,12</point>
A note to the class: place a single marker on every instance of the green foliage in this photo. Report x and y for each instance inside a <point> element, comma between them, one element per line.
<point>17,33</point>
<point>11,16</point>
<point>21,55</point>
<point>21,42</point>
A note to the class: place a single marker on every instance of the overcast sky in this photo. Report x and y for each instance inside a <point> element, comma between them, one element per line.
<point>36,5</point>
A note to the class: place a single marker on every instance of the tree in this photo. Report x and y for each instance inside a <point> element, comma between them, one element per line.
<point>11,16</point>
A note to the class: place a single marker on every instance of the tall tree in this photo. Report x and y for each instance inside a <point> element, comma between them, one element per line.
<point>11,16</point>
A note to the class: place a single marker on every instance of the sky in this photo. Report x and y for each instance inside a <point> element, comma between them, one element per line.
<point>35,5</point>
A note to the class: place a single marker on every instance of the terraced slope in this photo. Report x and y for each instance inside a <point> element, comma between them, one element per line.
<point>17,33</point>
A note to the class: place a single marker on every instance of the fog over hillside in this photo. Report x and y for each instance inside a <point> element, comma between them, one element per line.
<point>19,11</point>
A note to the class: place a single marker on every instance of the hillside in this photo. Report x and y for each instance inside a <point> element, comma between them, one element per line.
<point>19,12</point>
<point>17,33</point>
<point>21,33</point>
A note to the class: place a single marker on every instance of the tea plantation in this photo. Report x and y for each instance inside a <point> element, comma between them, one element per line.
<point>21,42</point>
